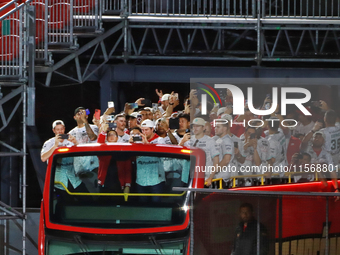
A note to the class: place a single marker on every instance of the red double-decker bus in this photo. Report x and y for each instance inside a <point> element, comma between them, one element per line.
<point>118,199</point>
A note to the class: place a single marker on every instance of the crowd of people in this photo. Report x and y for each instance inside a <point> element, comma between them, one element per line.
<point>244,146</point>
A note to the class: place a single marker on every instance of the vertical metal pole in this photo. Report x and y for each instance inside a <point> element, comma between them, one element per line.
<point>30,21</point>
<point>21,45</point>
<point>280,225</point>
<point>46,16</point>
<point>96,12</point>
<point>327,227</point>
<point>258,227</point>
<point>71,23</point>
<point>259,41</point>
<point>126,30</point>
<point>191,211</point>
<point>24,173</point>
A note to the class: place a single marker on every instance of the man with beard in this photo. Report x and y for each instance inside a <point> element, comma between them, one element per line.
<point>83,132</point>
<point>164,133</point>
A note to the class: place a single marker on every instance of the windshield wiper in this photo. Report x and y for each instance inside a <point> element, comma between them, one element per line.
<point>158,247</point>
<point>81,245</point>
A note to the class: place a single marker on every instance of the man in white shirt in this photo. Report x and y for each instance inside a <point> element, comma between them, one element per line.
<point>332,136</point>
<point>123,137</point>
<point>207,144</point>
<point>58,128</point>
<point>226,149</point>
<point>304,125</point>
<point>319,155</point>
<point>83,132</point>
<point>64,169</point>
<point>184,126</point>
<point>164,103</point>
<point>277,146</point>
<point>164,133</point>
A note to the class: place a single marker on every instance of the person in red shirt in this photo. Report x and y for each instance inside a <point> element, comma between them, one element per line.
<point>147,127</point>
<point>239,129</point>
<point>293,147</point>
<point>113,175</point>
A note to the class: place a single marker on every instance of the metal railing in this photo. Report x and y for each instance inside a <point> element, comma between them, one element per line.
<point>113,6</point>
<point>13,40</point>
<point>58,20</point>
<point>260,177</point>
<point>329,9</point>
<point>193,8</point>
<point>270,9</point>
<point>278,222</point>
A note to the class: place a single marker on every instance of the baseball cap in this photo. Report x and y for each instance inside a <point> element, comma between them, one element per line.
<point>133,115</point>
<point>148,109</point>
<point>148,123</point>
<point>165,97</point>
<point>78,109</point>
<point>221,110</point>
<point>319,133</point>
<point>199,121</point>
<point>57,122</point>
<point>226,117</point>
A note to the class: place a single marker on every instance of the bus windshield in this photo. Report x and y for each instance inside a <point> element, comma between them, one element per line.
<point>117,189</point>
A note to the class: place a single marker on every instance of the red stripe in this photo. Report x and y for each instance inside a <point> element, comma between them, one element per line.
<point>215,92</point>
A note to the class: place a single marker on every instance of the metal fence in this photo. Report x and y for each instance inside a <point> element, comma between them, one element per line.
<point>329,9</point>
<point>113,6</point>
<point>291,9</point>
<point>12,40</point>
<point>193,8</point>
<point>280,223</point>
<point>58,21</point>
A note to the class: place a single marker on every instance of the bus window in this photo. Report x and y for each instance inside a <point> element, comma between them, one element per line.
<point>119,189</point>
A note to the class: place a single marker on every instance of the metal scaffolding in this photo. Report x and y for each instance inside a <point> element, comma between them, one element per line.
<point>43,36</point>
<point>17,46</point>
<point>249,31</point>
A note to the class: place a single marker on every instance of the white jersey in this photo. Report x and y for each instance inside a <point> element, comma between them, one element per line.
<point>176,135</point>
<point>81,135</point>
<point>332,142</point>
<point>247,153</point>
<point>210,148</point>
<point>161,140</point>
<point>323,158</point>
<point>263,149</point>
<point>160,108</point>
<point>277,146</point>
<point>237,140</point>
<point>303,130</point>
<point>226,147</point>
<point>50,142</point>
<point>123,139</point>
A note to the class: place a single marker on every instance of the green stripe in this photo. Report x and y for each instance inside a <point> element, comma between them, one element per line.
<point>209,94</point>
